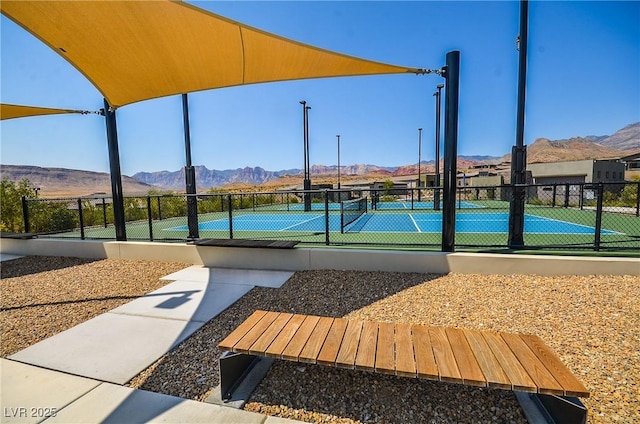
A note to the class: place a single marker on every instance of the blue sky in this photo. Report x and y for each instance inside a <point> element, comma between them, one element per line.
<point>583,79</point>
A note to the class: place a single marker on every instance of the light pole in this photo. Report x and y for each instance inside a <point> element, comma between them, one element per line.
<point>339,195</point>
<point>419,160</point>
<point>307,172</point>
<point>436,193</point>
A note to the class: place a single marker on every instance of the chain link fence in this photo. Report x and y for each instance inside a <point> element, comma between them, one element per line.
<point>557,217</point>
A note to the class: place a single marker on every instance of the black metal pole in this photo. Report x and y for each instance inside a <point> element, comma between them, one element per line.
<point>436,193</point>
<point>519,151</point>
<point>419,162</point>
<point>189,175</point>
<point>150,218</point>
<point>25,214</point>
<point>599,202</point>
<point>104,212</point>
<point>339,195</point>
<point>230,216</point>
<point>80,219</point>
<point>326,217</point>
<point>116,175</point>
<point>452,76</point>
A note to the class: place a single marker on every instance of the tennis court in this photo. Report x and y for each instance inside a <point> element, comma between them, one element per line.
<point>377,222</point>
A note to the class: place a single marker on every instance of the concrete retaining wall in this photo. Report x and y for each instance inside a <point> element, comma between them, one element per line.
<point>326,258</point>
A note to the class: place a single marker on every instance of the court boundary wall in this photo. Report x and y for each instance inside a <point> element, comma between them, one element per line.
<point>318,258</point>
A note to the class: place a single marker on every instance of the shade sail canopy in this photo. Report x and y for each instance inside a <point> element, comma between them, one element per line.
<point>8,111</point>
<point>138,50</point>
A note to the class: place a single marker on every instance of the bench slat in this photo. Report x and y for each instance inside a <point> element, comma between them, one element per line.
<point>267,337</point>
<point>349,348</point>
<point>519,377</point>
<point>316,340</point>
<point>425,362</point>
<point>282,340</point>
<point>293,349</point>
<point>465,359</point>
<point>490,366</point>
<point>366,356</point>
<point>479,358</point>
<point>230,341</point>
<point>252,335</point>
<point>385,352</point>
<point>405,359</point>
<point>331,346</point>
<point>570,384</point>
<point>447,367</point>
<point>536,369</point>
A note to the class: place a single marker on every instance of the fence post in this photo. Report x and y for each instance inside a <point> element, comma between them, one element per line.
<point>553,202</point>
<point>326,217</point>
<point>104,212</point>
<point>230,216</point>
<point>600,195</point>
<point>638,201</point>
<point>150,218</point>
<point>581,200</point>
<point>81,219</point>
<point>25,214</point>
<point>566,195</point>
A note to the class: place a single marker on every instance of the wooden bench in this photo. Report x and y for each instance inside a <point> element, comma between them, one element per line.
<point>507,361</point>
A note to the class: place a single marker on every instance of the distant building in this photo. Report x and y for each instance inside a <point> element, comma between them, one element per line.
<point>564,179</point>
<point>579,171</point>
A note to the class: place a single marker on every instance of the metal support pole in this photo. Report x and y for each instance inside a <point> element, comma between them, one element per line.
<point>598,229</point>
<point>25,214</point>
<point>452,75</point>
<point>419,160</point>
<point>326,217</point>
<point>104,212</point>
<point>436,193</point>
<point>116,175</point>
<point>638,201</point>
<point>81,219</point>
<point>230,203</point>
<point>519,151</point>
<point>150,218</point>
<point>189,175</point>
<point>339,195</point>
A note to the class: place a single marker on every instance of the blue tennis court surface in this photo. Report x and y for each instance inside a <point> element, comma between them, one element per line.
<point>333,206</point>
<point>495,223</point>
<point>421,205</point>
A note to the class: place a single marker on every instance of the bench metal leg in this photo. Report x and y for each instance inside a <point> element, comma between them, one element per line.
<point>553,409</point>
<point>233,368</point>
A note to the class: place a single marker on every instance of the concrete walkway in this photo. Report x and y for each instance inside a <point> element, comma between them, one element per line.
<point>76,376</point>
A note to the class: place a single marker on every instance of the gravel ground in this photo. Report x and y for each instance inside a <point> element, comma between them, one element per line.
<point>42,296</point>
<point>590,321</point>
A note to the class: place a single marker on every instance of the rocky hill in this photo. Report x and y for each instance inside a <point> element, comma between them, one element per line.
<point>622,143</point>
<point>55,182</point>
<point>61,182</point>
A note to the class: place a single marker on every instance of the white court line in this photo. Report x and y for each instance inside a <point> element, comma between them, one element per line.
<point>415,223</point>
<point>300,223</point>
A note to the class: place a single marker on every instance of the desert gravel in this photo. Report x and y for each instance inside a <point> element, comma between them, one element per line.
<point>590,321</point>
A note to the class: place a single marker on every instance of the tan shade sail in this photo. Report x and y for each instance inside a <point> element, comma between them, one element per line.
<point>8,111</point>
<point>139,50</point>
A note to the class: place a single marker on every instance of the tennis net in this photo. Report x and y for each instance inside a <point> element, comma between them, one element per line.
<point>350,210</point>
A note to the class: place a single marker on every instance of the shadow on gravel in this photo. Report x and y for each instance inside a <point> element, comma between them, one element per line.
<point>35,264</point>
<point>191,369</point>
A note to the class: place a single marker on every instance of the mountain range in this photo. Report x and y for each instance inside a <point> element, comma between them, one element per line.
<point>55,182</point>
